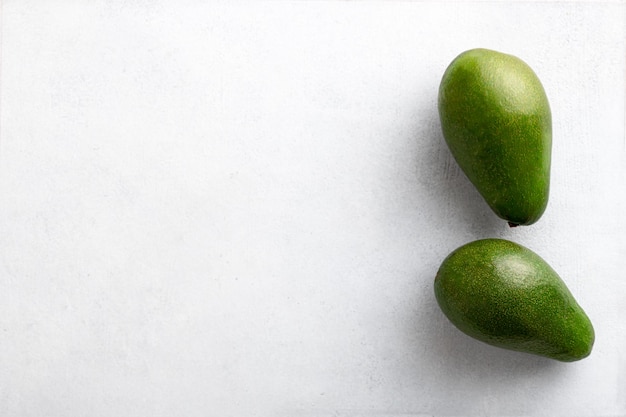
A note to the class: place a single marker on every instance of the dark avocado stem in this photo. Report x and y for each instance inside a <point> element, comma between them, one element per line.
<point>513,224</point>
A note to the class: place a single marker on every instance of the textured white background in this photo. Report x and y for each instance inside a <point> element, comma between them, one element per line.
<point>239,209</point>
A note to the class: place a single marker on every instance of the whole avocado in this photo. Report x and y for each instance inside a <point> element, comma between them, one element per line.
<point>496,120</point>
<point>505,295</point>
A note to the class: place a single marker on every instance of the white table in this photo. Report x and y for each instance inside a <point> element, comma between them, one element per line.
<point>238,209</point>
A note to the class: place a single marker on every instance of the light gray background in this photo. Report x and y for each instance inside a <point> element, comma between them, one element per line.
<point>238,209</point>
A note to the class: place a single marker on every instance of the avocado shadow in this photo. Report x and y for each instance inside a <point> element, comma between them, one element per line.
<point>452,194</point>
<point>451,359</point>
<point>462,351</point>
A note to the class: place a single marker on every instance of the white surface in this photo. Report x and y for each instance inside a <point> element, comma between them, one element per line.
<point>239,209</point>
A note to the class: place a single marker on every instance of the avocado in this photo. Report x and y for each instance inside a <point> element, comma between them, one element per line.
<point>505,295</point>
<point>496,120</point>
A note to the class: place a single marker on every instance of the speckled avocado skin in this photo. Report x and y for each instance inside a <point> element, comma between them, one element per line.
<point>496,120</point>
<point>504,294</point>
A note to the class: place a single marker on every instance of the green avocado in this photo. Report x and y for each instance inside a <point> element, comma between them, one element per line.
<point>504,294</point>
<point>496,120</point>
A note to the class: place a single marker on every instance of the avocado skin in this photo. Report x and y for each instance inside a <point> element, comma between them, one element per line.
<point>496,120</point>
<point>505,295</point>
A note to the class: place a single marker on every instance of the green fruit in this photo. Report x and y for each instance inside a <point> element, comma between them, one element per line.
<point>496,120</point>
<point>505,295</point>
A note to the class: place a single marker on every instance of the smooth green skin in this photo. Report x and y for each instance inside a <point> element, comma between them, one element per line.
<point>505,295</point>
<point>496,120</point>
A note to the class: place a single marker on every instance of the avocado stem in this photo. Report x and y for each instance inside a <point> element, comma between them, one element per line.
<point>513,224</point>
